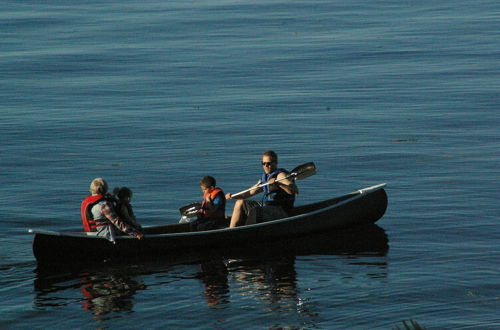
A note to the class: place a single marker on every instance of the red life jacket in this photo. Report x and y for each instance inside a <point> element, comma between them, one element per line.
<point>220,213</point>
<point>89,224</point>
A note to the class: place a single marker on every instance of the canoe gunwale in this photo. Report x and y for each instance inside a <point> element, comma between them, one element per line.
<point>355,195</point>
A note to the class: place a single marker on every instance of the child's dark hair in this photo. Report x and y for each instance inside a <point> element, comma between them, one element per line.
<point>208,181</point>
<point>122,192</point>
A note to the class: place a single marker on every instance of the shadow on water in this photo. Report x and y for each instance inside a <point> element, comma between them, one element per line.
<point>268,271</point>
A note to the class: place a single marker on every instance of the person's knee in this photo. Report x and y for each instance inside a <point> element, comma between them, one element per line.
<point>238,205</point>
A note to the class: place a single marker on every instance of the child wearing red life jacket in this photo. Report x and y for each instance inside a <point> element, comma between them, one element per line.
<point>213,206</point>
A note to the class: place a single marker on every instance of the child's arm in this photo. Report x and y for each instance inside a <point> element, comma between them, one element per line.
<point>128,214</point>
<point>212,206</point>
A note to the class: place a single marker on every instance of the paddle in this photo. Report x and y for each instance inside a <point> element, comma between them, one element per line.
<point>300,172</point>
<point>190,210</point>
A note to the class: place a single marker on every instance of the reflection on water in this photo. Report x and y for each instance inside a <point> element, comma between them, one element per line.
<point>273,282</point>
<point>266,276</point>
<point>105,293</point>
<point>102,291</point>
<point>213,275</point>
<point>268,273</point>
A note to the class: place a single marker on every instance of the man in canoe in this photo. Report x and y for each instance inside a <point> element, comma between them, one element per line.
<point>279,195</point>
<point>99,216</point>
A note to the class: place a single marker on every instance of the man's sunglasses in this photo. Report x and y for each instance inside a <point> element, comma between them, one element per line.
<point>267,163</point>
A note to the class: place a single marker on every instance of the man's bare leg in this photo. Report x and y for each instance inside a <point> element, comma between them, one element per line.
<point>236,216</point>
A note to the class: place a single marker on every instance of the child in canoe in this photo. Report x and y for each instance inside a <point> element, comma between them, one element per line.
<point>124,208</point>
<point>212,212</point>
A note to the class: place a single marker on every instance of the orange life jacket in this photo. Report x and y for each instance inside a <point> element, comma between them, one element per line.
<point>221,212</point>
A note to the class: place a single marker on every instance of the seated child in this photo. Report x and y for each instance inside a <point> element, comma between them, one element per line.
<point>213,206</point>
<point>124,208</point>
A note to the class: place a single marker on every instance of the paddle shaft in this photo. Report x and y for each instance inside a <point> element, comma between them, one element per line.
<point>262,185</point>
<point>300,172</point>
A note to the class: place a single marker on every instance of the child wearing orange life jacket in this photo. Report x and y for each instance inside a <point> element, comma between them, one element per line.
<point>213,206</point>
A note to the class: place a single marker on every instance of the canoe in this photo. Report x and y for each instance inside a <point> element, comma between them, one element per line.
<point>361,207</point>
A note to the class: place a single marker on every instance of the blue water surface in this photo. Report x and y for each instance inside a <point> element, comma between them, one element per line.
<point>156,94</point>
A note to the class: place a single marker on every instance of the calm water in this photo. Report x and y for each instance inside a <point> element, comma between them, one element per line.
<point>154,95</point>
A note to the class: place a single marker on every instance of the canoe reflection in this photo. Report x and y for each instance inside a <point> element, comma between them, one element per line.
<point>267,273</point>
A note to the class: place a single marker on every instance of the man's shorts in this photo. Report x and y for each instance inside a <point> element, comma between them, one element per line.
<point>255,212</point>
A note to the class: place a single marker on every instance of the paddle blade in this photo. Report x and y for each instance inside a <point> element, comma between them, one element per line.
<point>303,171</point>
<point>190,210</point>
